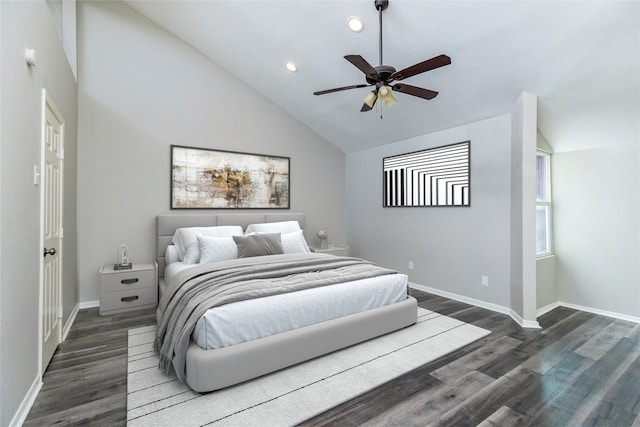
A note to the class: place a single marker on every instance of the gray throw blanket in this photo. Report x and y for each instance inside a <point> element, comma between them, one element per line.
<point>195,290</point>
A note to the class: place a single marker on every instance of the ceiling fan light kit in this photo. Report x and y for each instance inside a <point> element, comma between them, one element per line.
<point>384,94</point>
<point>370,99</point>
<point>383,75</point>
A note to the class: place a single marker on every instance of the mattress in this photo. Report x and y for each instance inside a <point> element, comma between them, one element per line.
<point>257,318</point>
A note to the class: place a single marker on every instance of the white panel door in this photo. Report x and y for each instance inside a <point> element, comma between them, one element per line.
<point>52,184</point>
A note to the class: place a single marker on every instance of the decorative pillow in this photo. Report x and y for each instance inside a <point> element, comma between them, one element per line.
<point>215,249</point>
<point>258,244</point>
<point>183,238</point>
<point>273,227</point>
<point>294,243</point>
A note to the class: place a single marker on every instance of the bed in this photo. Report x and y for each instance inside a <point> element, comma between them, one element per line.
<point>212,357</point>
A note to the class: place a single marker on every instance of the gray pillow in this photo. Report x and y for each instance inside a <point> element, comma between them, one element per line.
<point>258,244</point>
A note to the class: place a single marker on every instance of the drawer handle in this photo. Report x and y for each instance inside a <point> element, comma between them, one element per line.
<point>129,281</point>
<point>127,299</point>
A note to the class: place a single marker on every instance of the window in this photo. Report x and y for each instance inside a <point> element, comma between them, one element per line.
<point>543,204</point>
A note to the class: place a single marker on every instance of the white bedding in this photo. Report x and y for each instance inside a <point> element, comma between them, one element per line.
<point>247,320</point>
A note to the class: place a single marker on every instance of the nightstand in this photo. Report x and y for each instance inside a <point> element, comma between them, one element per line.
<point>332,250</point>
<point>130,289</point>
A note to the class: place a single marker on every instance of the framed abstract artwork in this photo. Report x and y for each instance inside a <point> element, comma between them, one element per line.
<point>434,177</point>
<point>203,178</point>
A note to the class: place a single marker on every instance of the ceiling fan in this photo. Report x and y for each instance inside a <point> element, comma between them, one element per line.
<point>383,75</point>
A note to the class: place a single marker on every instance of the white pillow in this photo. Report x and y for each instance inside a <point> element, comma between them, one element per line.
<point>171,255</point>
<point>215,249</point>
<point>273,227</point>
<point>192,255</point>
<point>183,238</point>
<point>294,243</point>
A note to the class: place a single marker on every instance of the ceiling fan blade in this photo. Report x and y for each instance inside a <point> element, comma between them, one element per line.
<point>364,66</point>
<point>428,65</point>
<point>415,91</point>
<point>338,89</point>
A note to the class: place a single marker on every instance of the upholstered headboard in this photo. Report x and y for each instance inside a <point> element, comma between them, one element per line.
<point>166,226</point>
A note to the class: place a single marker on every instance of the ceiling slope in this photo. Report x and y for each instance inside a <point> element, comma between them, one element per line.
<point>581,58</point>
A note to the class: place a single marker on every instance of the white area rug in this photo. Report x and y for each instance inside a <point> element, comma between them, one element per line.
<point>291,395</point>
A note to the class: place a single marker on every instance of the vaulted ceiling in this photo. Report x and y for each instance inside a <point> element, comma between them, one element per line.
<point>581,58</point>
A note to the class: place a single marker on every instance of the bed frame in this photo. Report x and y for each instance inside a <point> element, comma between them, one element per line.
<point>208,370</point>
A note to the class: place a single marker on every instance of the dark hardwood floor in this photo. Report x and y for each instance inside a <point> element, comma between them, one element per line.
<point>580,369</point>
<point>86,381</point>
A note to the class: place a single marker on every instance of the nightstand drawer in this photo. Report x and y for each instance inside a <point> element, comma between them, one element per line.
<point>133,298</point>
<point>127,280</point>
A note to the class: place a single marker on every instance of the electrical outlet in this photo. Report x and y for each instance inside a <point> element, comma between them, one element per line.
<point>484,281</point>
<point>410,265</point>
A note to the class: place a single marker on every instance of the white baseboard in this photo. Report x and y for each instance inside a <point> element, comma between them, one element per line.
<point>547,308</point>
<point>600,312</point>
<point>88,304</point>
<point>69,322</point>
<point>23,411</point>
<point>478,303</point>
<point>515,316</point>
<point>532,324</point>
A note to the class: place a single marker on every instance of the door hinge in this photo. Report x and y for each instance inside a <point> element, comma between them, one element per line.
<point>36,175</point>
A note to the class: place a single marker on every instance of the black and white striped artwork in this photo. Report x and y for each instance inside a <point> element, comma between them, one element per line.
<point>434,177</point>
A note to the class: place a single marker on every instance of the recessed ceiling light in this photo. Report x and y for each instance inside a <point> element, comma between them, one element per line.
<point>291,67</point>
<point>355,24</point>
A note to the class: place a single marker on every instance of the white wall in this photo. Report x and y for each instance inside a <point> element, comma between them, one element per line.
<point>141,90</point>
<point>596,205</point>
<point>546,283</point>
<point>64,17</point>
<point>451,247</point>
<point>29,25</point>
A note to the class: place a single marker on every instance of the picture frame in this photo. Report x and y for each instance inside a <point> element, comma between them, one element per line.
<point>204,178</point>
<point>435,177</point>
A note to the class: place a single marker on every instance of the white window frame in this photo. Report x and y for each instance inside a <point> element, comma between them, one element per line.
<point>547,203</point>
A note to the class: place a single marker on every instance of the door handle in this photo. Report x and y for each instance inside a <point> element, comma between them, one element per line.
<point>51,251</point>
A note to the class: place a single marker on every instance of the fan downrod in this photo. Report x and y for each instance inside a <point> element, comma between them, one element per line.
<point>381,4</point>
